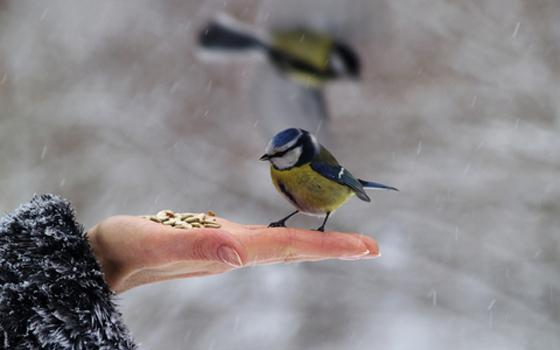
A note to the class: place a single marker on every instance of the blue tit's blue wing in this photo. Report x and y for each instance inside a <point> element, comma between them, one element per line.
<point>337,173</point>
<point>325,157</point>
<point>376,185</point>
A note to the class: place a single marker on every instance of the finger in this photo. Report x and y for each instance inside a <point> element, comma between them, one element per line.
<point>202,244</point>
<point>290,244</point>
<point>256,227</point>
<point>370,243</point>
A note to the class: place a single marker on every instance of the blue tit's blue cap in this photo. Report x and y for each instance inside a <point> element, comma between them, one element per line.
<point>285,137</point>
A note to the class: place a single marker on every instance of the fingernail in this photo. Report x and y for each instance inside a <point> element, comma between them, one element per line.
<point>372,256</point>
<point>229,256</point>
<point>355,257</point>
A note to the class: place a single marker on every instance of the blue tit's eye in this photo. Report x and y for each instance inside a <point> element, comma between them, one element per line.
<point>285,139</point>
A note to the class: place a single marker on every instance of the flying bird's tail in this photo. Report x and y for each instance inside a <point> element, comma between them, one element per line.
<point>226,33</point>
<point>376,185</point>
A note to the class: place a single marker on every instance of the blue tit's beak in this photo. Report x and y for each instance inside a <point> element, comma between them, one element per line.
<point>264,157</point>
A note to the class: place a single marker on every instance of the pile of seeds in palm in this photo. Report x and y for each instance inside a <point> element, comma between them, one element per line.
<point>184,220</point>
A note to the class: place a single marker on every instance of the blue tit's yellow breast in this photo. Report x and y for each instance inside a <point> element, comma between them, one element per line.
<point>308,190</point>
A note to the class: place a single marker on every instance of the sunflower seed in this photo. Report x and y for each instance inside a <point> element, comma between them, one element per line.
<point>164,214</point>
<point>184,220</point>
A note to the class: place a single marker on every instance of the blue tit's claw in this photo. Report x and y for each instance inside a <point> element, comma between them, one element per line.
<point>277,224</point>
<point>282,222</point>
<point>322,227</point>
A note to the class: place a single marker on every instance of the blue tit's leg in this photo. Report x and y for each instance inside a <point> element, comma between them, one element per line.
<point>322,228</point>
<point>282,223</point>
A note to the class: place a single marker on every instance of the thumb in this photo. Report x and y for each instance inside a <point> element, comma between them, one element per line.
<point>203,245</point>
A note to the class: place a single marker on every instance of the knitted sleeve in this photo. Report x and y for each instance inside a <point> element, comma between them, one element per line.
<point>52,291</point>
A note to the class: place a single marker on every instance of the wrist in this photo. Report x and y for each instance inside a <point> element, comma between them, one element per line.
<point>113,271</point>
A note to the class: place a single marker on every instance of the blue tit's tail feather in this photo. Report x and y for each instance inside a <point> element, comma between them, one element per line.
<point>225,36</point>
<point>376,185</point>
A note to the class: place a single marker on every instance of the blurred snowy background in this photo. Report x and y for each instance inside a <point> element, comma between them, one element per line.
<point>107,104</point>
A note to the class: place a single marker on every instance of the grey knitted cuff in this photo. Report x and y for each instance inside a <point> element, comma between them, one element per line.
<point>52,291</point>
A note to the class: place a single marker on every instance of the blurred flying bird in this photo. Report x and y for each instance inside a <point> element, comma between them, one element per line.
<point>308,57</point>
<point>309,176</point>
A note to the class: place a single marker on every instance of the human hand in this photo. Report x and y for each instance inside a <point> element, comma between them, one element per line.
<point>133,251</point>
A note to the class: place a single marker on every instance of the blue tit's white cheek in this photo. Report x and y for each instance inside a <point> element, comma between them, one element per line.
<point>288,160</point>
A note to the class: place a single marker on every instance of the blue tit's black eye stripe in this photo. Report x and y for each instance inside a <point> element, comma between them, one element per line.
<point>280,154</point>
<point>308,149</point>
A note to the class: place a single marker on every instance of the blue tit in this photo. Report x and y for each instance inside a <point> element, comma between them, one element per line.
<point>309,176</point>
<point>306,56</point>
